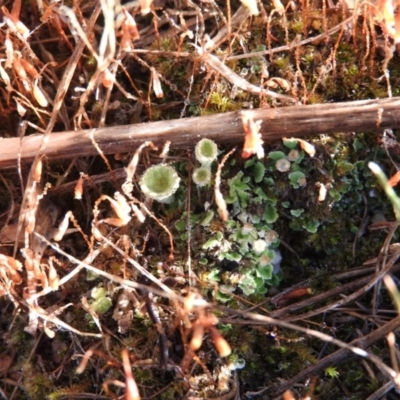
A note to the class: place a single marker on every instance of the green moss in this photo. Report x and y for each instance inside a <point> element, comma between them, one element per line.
<point>281,62</point>
<point>35,383</point>
<point>296,26</point>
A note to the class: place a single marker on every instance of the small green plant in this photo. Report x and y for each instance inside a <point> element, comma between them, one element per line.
<point>101,303</point>
<point>222,103</point>
<point>331,372</point>
<point>297,179</point>
<point>248,237</point>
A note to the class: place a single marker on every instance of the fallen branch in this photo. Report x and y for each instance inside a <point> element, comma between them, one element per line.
<point>277,123</point>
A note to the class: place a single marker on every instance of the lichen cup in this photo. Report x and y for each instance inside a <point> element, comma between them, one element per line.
<point>206,151</point>
<point>201,176</point>
<point>159,182</point>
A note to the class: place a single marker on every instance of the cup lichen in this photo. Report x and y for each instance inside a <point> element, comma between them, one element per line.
<point>206,151</point>
<point>159,182</point>
<point>201,176</point>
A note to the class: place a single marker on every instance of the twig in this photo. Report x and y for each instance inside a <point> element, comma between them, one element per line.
<point>318,298</point>
<point>223,128</point>
<point>382,391</point>
<point>354,295</point>
<point>218,66</point>
<point>155,319</point>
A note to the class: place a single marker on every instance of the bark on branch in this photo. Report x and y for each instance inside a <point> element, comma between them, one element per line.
<point>296,121</point>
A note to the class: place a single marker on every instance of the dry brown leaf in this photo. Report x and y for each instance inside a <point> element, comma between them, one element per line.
<point>253,143</point>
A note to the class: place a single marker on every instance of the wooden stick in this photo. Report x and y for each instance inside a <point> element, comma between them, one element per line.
<point>296,121</point>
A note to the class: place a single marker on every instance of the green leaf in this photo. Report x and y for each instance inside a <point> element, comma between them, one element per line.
<point>255,219</point>
<point>213,241</point>
<point>290,144</point>
<point>276,155</point>
<point>294,178</point>
<point>236,182</point>
<point>346,166</point>
<point>240,186</point>
<point>285,204</point>
<point>210,243</point>
<point>357,145</point>
<point>275,279</point>
<point>259,171</point>
<point>91,276</point>
<point>250,162</point>
<point>335,194</point>
<point>101,305</point>
<point>261,195</point>
<point>311,226</point>
<point>265,271</point>
<point>262,290</point>
<point>244,197</point>
<point>297,213</point>
<point>231,199</point>
<point>181,225</point>
<point>244,246</point>
<point>270,214</point>
<point>222,297</point>
<point>207,218</point>
<point>213,275</point>
<point>225,328</point>
<point>248,284</point>
<point>98,292</point>
<point>354,229</point>
<point>269,181</point>
<point>232,256</point>
<point>360,165</point>
<point>296,167</point>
